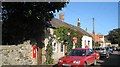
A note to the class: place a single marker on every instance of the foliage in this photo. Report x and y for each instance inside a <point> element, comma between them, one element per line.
<point>114,36</point>
<point>97,44</point>
<point>108,45</point>
<point>50,61</point>
<point>27,20</point>
<point>79,39</point>
<point>49,52</point>
<point>66,35</point>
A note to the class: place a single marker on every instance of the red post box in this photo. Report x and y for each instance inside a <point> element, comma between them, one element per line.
<point>34,51</point>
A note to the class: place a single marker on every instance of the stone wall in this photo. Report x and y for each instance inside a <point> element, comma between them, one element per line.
<point>16,54</point>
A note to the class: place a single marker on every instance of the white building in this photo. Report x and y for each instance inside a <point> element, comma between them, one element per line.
<point>86,41</point>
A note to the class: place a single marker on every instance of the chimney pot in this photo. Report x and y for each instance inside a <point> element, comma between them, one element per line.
<point>61,16</point>
<point>78,22</point>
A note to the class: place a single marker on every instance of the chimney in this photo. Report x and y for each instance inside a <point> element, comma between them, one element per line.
<point>78,25</point>
<point>61,16</point>
<point>86,29</point>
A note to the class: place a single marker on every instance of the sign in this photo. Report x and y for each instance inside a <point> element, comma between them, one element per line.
<point>34,51</point>
<point>75,39</point>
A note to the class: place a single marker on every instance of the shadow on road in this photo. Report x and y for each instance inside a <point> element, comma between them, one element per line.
<point>112,61</point>
<point>56,65</point>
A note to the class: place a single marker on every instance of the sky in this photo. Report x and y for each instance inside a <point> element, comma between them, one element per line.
<point>104,13</point>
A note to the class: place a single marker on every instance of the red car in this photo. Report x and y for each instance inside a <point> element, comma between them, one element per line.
<point>97,56</point>
<point>78,57</point>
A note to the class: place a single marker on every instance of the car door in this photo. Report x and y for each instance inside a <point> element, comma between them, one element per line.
<point>90,56</point>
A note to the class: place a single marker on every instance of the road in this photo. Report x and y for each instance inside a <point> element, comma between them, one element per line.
<point>113,60</point>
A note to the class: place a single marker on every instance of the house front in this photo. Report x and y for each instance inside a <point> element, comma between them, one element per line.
<point>59,48</point>
<point>101,40</point>
<point>86,41</point>
<point>107,42</point>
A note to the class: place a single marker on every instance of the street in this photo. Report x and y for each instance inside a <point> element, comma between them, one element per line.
<point>64,34</point>
<point>113,60</point>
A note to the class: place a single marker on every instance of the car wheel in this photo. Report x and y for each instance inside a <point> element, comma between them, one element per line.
<point>95,62</point>
<point>85,64</point>
<point>107,56</point>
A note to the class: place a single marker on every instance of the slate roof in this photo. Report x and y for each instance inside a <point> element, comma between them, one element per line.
<point>57,22</point>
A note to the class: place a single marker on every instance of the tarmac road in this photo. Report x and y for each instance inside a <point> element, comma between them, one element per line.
<point>113,60</point>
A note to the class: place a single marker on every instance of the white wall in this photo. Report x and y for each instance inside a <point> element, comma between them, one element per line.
<point>85,40</point>
<point>103,42</point>
<point>107,44</point>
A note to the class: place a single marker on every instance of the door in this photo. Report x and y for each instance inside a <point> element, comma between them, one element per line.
<point>90,57</point>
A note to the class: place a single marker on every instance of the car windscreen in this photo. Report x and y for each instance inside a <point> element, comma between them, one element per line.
<point>77,53</point>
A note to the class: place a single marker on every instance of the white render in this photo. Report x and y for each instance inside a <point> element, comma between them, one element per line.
<point>103,42</point>
<point>86,41</point>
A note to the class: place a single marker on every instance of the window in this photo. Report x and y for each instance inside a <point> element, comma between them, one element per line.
<point>62,47</point>
<point>77,53</point>
<point>90,51</point>
<point>54,47</point>
<point>85,42</point>
<point>88,42</point>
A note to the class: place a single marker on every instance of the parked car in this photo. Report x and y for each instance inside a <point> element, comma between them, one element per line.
<point>114,48</point>
<point>109,49</point>
<point>117,48</point>
<point>103,52</point>
<point>78,57</point>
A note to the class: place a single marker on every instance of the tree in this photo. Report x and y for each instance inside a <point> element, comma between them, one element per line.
<point>24,21</point>
<point>27,20</point>
<point>114,36</point>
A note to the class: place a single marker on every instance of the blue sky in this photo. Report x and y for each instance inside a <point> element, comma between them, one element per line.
<point>105,14</point>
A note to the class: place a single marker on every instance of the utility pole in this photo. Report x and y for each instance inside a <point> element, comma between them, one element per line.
<point>93,26</point>
<point>93,32</point>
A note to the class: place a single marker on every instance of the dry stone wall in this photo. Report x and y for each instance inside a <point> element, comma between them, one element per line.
<point>16,54</point>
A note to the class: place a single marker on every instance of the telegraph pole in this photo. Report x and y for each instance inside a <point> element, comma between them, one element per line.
<point>93,26</point>
<point>93,32</point>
